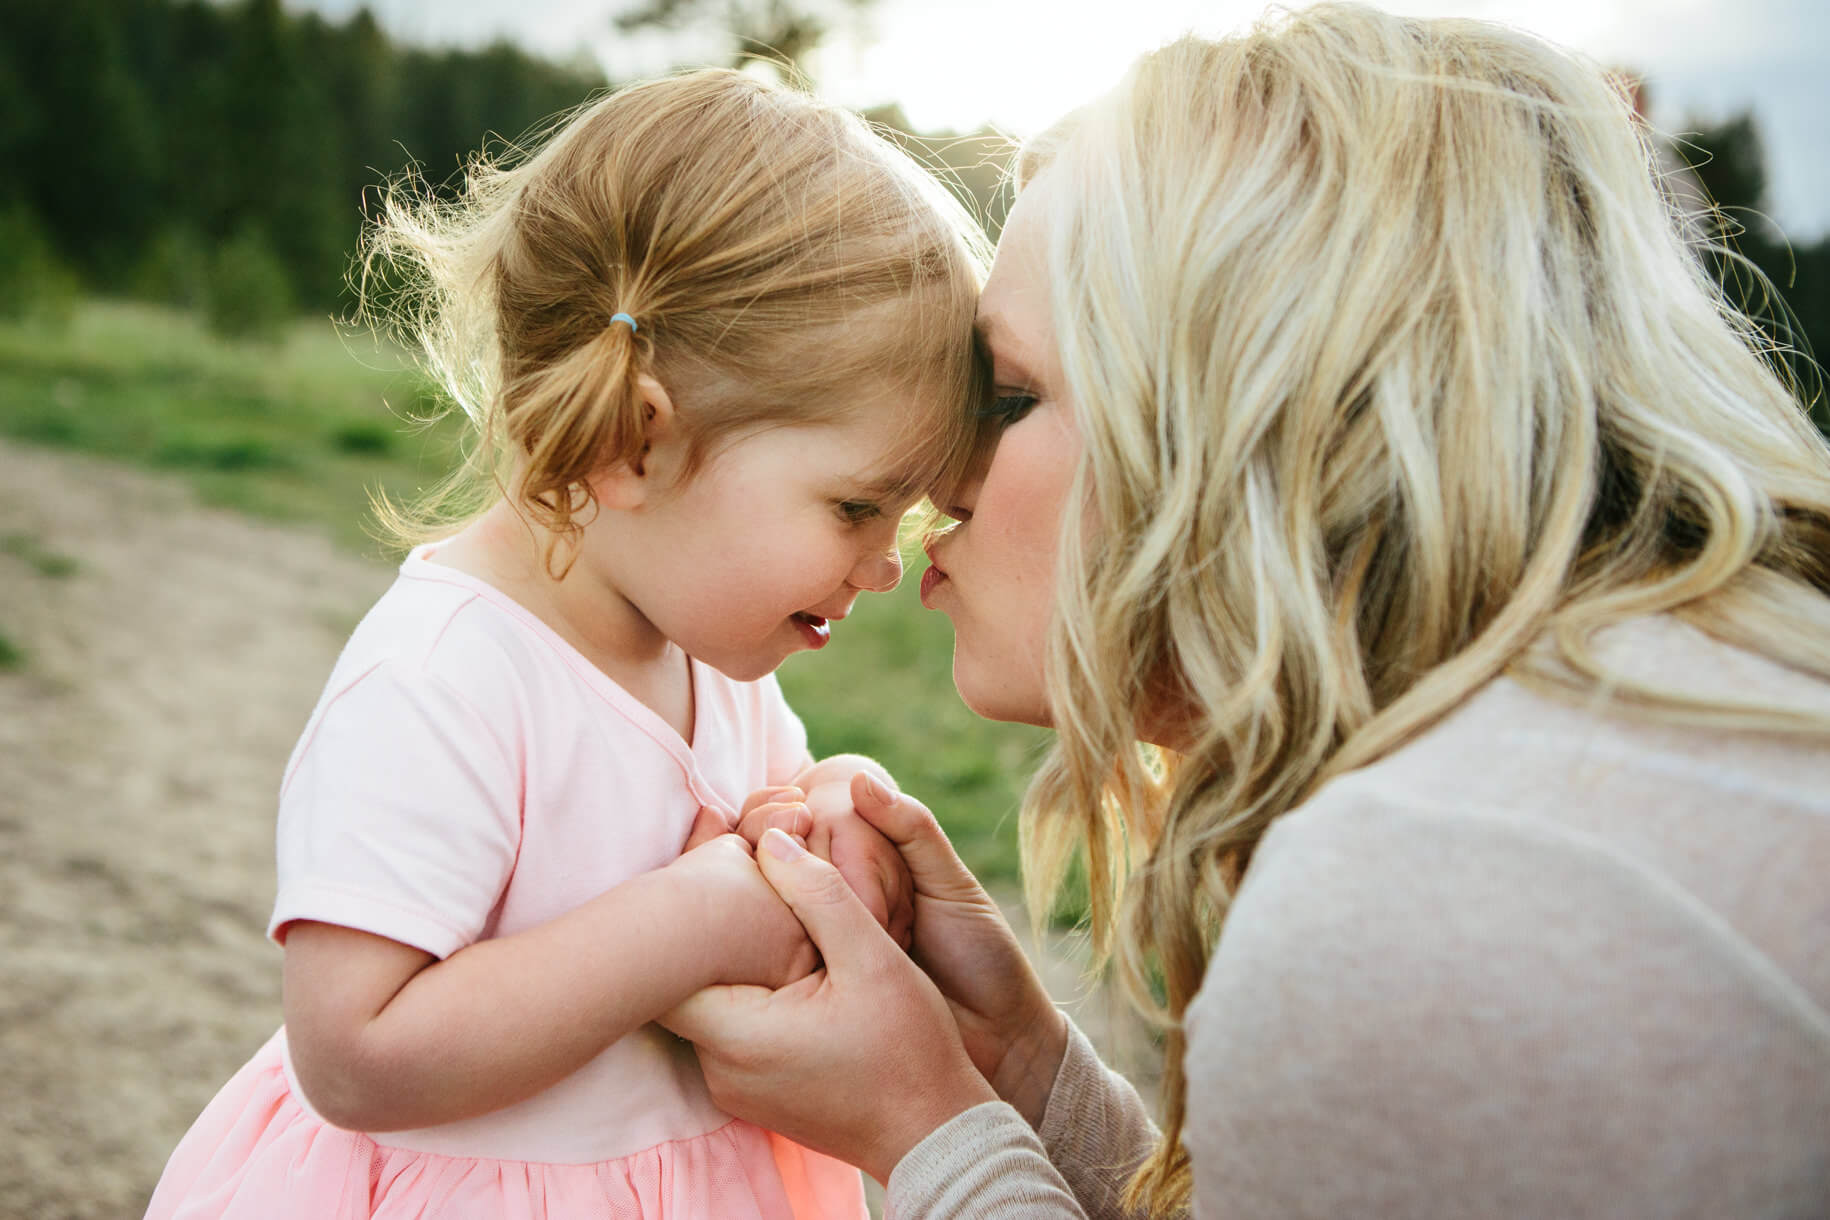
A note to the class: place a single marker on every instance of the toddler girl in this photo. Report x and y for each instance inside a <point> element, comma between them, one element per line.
<point>715,337</point>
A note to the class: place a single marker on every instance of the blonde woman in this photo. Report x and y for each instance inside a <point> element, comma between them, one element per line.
<point>1367,444</point>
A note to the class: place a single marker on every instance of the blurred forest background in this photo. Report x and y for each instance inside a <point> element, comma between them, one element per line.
<point>185,186</point>
<point>217,156</point>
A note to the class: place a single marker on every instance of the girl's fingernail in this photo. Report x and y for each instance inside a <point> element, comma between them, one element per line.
<point>777,843</point>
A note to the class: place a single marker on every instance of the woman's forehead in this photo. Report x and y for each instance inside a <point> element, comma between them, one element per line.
<point>1014,319</point>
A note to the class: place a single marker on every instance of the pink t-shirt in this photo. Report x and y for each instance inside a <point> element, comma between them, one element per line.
<point>468,774</point>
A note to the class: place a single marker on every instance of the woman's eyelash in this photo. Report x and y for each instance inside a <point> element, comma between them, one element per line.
<point>1007,409</point>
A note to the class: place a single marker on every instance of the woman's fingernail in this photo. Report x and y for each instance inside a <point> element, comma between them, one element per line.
<point>879,789</point>
<point>777,843</point>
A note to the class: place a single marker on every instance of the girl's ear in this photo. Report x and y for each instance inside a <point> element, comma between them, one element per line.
<point>629,485</point>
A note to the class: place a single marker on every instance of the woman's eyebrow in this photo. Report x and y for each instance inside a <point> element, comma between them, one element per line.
<point>983,327</point>
<point>992,335</point>
<point>998,348</point>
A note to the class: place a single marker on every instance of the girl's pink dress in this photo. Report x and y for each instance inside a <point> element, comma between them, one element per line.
<point>467,774</point>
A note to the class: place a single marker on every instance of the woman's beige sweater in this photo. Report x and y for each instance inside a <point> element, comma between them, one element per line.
<point>1541,962</point>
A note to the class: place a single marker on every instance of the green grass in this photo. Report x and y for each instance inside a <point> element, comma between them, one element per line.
<point>48,563</point>
<point>301,430</point>
<point>296,430</point>
<point>11,656</point>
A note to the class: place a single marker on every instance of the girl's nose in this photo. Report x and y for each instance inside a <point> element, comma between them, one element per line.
<point>880,571</point>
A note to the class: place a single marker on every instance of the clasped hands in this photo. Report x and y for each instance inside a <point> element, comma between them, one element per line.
<point>817,811</point>
<point>862,1051</point>
<point>820,813</point>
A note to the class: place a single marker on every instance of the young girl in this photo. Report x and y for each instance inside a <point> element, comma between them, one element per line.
<point>716,336</point>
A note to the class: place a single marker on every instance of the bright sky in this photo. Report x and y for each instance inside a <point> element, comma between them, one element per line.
<point>1027,61</point>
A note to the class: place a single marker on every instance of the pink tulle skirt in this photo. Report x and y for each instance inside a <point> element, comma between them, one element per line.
<point>256,1154</point>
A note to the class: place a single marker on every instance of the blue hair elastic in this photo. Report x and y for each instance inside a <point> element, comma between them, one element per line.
<point>623,317</point>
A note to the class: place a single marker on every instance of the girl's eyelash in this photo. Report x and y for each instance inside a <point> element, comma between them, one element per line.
<point>1007,409</point>
<point>859,511</point>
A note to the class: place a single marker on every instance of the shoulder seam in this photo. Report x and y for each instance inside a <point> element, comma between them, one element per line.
<point>317,719</point>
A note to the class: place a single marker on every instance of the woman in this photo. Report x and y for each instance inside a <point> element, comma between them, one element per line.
<point>1371,447</point>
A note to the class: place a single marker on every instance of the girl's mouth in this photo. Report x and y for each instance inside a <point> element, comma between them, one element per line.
<point>814,629</point>
<point>931,580</point>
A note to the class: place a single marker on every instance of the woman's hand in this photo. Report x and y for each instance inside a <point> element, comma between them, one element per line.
<point>822,816</point>
<point>1007,1022</point>
<point>860,1060</point>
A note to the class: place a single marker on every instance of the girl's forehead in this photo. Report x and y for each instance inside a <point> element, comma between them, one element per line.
<point>877,443</point>
<point>899,442</point>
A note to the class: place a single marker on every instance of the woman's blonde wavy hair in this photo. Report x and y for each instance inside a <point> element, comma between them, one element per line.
<point>779,258</point>
<point>1389,362</point>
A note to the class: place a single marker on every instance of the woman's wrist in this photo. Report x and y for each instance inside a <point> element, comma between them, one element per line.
<point>1025,1076</point>
<point>914,1119</point>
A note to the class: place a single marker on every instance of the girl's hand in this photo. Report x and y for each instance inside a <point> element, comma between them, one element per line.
<point>886,1066</point>
<point>824,820</point>
<point>758,939</point>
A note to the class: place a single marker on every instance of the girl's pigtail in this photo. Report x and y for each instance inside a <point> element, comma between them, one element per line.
<point>575,418</point>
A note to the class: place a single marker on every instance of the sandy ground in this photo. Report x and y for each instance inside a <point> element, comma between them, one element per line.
<point>141,742</point>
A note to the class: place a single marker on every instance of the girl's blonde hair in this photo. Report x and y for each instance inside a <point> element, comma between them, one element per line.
<point>780,261</point>
<point>1389,362</point>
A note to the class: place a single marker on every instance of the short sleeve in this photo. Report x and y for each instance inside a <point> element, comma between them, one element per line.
<point>787,750</point>
<point>400,814</point>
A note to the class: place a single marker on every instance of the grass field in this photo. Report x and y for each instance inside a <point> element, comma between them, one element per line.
<point>304,429</point>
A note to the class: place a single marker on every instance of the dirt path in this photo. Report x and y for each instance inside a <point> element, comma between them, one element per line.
<point>171,654</point>
<point>164,680</point>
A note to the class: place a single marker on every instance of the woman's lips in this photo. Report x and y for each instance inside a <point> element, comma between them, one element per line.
<point>931,580</point>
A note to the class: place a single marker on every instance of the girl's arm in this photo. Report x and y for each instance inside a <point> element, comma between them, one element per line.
<point>385,1037</point>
